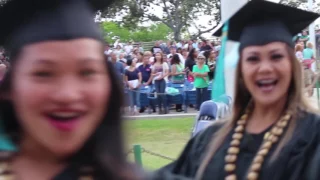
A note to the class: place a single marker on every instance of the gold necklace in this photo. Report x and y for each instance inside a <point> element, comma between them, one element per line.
<point>270,138</point>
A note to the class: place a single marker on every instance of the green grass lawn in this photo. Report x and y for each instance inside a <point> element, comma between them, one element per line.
<point>164,136</point>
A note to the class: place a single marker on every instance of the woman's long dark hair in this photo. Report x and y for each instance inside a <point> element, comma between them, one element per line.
<point>190,55</point>
<point>175,59</point>
<point>104,149</point>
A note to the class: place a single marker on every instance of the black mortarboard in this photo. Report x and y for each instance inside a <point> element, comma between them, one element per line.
<point>261,22</point>
<point>30,21</point>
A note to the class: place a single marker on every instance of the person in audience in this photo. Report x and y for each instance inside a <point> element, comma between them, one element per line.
<point>211,62</point>
<point>166,60</point>
<point>156,48</point>
<point>107,49</point>
<point>273,133</point>
<point>190,62</point>
<point>308,52</point>
<point>201,80</point>
<point>60,100</point>
<point>160,71</point>
<point>133,80</point>
<point>119,69</point>
<point>134,53</point>
<point>149,55</point>
<point>118,51</point>
<point>140,48</point>
<point>177,75</point>
<point>179,51</point>
<point>206,46</point>
<point>308,76</point>
<point>184,54</point>
<point>188,46</point>
<point>298,50</point>
<point>123,60</point>
<point>139,59</point>
<point>173,51</point>
<point>308,56</point>
<point>304,38</point>
<point>147,77</point>
<point>166,49</point>
<point>128,48</point>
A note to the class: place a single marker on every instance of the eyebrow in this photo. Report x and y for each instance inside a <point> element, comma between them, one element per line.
<point>274,50</point>
<point>50,62</point>
<point>44,61</point>
<point>253,53</point>
<point>89,60</point>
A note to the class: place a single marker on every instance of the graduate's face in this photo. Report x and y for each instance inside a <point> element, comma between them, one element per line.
<point>60,90</point>
<point>266,71</point>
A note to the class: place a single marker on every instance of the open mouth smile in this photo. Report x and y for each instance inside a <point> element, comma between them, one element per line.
<point>267,85</point>
<point>65,121</point>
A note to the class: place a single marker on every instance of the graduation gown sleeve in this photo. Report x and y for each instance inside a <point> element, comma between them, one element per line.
<point>300,158</point>
<point>313,167</point>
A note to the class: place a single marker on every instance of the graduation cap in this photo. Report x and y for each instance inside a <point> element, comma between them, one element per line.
<point>30,21</point>
<point>261,22</point>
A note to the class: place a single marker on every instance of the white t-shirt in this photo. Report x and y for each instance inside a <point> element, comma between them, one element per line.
<point>107,52</point>
<point>128,48</point>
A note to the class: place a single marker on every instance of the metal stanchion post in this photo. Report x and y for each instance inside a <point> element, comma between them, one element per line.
<point>137,154</point>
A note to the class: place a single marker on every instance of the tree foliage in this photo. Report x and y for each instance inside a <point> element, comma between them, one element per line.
<point>113,30</point>
<point>302,4</point>
<point>178,15</point>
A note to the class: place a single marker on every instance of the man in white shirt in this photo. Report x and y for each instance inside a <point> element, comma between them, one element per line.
<point>128,48</point>
<point>122,59</point>
<point>107,50</point>
<point>195,44</point>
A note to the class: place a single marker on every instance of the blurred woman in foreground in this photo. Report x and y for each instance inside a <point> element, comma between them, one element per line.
<point>60,111</point>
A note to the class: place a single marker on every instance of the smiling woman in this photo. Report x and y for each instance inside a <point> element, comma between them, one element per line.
<point>56,106</point>
<point>273,132</point>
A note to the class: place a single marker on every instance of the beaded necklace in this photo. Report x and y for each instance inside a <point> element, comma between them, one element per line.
<point>270,138</point>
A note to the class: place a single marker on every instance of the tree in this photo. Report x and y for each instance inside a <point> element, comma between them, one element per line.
<point>178,15</point>
<point>113,31</point>
<point>303,4</point>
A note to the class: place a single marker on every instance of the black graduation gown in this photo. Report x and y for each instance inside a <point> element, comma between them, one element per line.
<point>72,173</point>
<point>293,163</point>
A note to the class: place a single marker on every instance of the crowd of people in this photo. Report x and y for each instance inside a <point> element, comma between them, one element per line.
<point>171,62</point>
<point>305,54</point>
